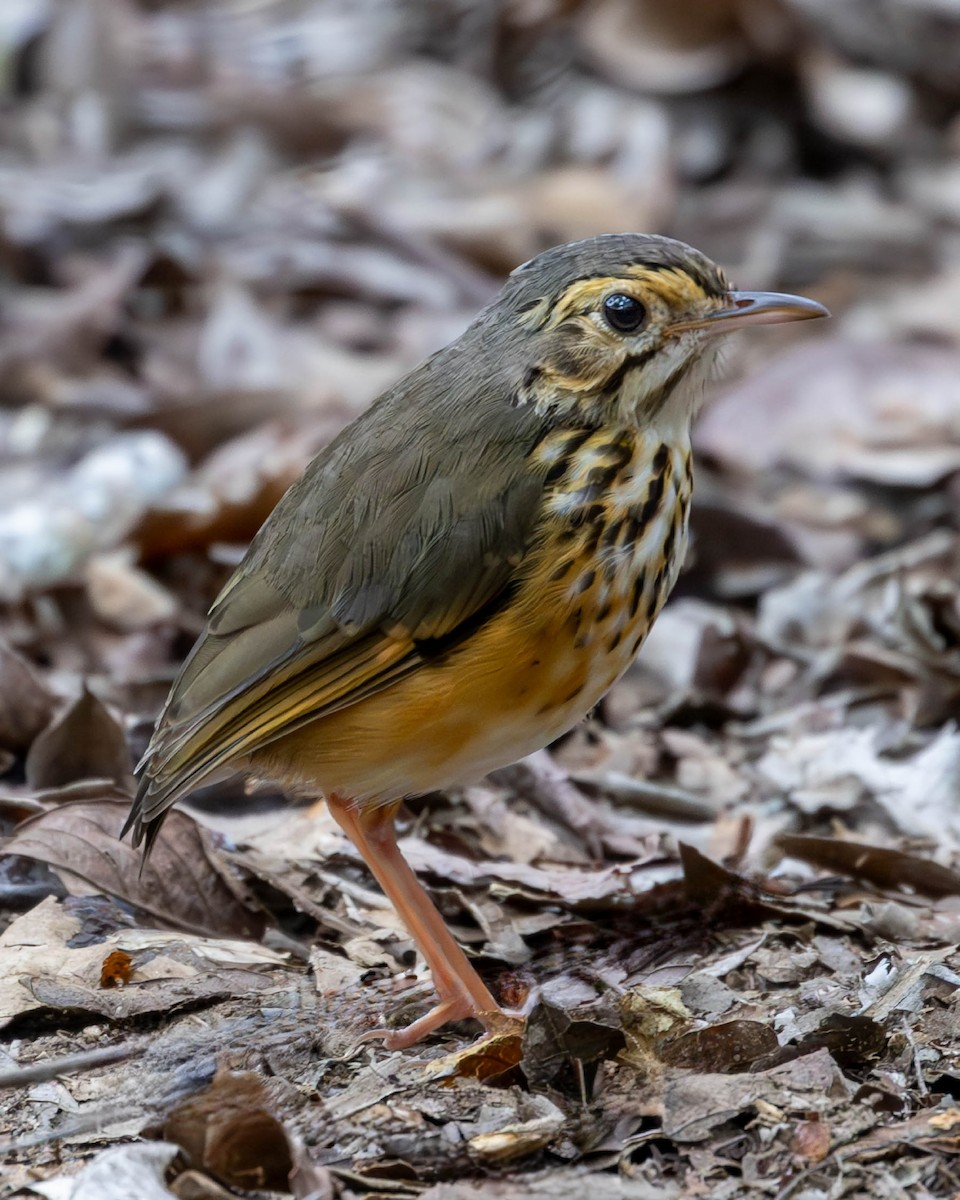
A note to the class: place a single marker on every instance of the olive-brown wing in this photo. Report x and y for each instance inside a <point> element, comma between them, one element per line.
<point>368,563</point>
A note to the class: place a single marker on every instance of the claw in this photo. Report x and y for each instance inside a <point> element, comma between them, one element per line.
<point>455,1008</point>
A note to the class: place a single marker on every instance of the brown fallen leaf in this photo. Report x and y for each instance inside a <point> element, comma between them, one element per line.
<point>554,1040</point>
<point>650,1016</point>
<point>120,1173</point>
<point>694,1103</point>
<point>811,1140</point>
<point>726,1048</point>
<point>42,967</point>
<point>489,1058</point>
<point>878,865</point>
<point>179,887</point>
<point>26,705</point>
<point>125,597</point>
<point>725,895</point>
<point>84,742</point>
<point>196,1185</point>
<point>884,412</point>
<point>541,781</point>
<point>936,1132</point>
<point>228,1130</point>
<point>656,46</point>
<point>853,1040</point>
<point>585,890</point>
<point>519,1138</point>
<point>117,969</point>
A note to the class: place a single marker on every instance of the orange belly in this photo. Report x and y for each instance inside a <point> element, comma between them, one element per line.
<point>523,678</point>
<point>518,683</point>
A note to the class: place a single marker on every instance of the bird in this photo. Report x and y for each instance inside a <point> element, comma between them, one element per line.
<point>465,570</point>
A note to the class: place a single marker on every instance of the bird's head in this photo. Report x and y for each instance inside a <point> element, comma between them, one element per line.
<point>623,328</point>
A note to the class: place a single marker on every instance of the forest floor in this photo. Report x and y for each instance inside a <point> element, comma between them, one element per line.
<point>729,901</point>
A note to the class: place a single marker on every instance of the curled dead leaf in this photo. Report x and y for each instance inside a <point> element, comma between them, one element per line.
<point>486,1059</point>
<point>519,1139</point>
<point>117,969</point>
<point>877,864</point>
<point>26,705</point>
<point>725,1048</point>
<point>811,1141</point>
<point>228,1130</point>
<point>179,886</point>
<point>84,742</point>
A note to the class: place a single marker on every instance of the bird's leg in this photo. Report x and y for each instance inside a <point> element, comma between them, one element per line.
<point>461,990</point>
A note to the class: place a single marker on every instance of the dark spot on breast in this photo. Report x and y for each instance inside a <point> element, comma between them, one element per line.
<point>638,642</point>
<point>604,612</point>
<point>617,456</point>
<point>619,452</point>
<point>595,512</point>
<point>668,543</point>
<point>573,695</point>
<point>653,499</point>
<point>575,440</point>
<point>565,450</point>
<point>592,538</point>
<point>615,640</point>
<point>557,471</point>
<point>602,477</point>
<point>581,514</point>
<point>652,606</point>
<point>561,571</point>
<point>634,531</point>
<point>611,533</point>
<point>585,582</point>
<point>636,592</point>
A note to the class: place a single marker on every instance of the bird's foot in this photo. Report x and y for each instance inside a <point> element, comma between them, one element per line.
<point>455,1008</point>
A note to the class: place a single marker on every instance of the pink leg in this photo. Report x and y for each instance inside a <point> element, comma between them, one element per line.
<point>461,991</point>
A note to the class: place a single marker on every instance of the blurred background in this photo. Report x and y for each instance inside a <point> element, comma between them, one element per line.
<point>226,225</point>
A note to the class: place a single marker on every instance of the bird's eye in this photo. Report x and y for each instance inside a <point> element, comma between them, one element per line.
<point>623,313</point>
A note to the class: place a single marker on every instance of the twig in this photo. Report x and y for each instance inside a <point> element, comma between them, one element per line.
<point>654,799</point>
<point>548,787</point>
<point>915,1054</point>
<point>69,1064</point>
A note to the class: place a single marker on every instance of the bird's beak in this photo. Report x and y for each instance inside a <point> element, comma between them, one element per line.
<point>754,308</point>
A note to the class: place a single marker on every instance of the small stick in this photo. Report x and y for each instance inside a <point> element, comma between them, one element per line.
<point>69,1064</point>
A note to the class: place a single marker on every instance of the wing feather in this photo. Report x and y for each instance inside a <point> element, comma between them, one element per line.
<point>404,531</point>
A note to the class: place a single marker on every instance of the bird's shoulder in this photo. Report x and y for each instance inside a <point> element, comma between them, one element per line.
<point>410,521</point>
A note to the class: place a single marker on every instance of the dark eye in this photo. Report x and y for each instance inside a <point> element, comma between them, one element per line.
<point>623,313</point>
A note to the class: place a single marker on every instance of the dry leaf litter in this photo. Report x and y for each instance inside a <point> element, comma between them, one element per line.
<point>730,900</point>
